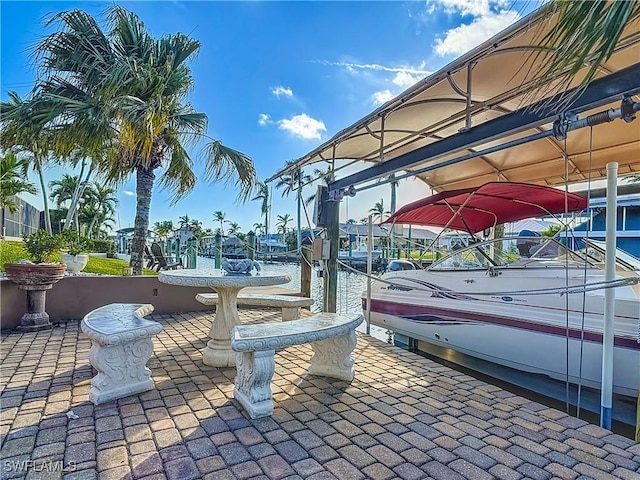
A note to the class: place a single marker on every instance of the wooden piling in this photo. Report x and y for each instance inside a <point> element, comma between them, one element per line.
<point>306,269</point>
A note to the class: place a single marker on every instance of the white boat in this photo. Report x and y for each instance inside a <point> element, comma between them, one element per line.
<point>523,302</point>
<point>359,253</point>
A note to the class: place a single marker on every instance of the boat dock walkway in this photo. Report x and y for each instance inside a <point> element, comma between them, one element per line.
<point>404,416</point>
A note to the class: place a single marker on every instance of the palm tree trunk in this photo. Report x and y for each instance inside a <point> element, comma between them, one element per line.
<point>144,184</point>
<point>77,195</point>
<point>47,216</point>
<point>92,226</point>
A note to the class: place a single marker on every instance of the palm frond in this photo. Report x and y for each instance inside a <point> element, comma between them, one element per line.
<point>586,34</point>
<point>226,164</point>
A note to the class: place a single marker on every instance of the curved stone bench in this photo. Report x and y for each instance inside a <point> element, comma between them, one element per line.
<point>121,345</point>
<point>290,304</point>
<point>332,337</point>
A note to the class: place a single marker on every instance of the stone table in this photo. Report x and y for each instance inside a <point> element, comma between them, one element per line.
<point>218,351</point>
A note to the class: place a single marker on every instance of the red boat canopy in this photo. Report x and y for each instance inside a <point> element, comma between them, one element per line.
<point>494,203</point>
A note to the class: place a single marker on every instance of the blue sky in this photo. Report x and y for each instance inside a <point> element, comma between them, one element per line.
<point>277,79</point>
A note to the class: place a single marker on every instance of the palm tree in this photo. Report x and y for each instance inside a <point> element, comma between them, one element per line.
<point>62,190</point>
<point>325,176</point>
<point>234,228</point>
<point>219,216</point>
<point>258,228</point>
<point>292,182</point>
<point>283,221</point>
<point>104,202</point>
<point>378,210</point>
<point>262,193</point>
<point>163,228</point>
<point>13,174</point>
<point>126,90</point>
<point>20,131</point>
<point>184,221</point>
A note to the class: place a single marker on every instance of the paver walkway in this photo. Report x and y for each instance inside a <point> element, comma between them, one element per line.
<point>403,416</point>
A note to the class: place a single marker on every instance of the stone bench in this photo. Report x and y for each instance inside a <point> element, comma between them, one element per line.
<point>290,304</point>
<point>332,337</point>
<point>121,345</point>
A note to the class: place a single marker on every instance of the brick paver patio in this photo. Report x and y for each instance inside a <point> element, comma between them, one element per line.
<point>403,416</point>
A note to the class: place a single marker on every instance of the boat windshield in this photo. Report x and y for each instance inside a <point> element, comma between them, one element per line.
<point>515,251</point>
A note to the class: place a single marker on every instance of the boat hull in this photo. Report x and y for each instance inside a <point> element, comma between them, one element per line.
<point>530,338</point>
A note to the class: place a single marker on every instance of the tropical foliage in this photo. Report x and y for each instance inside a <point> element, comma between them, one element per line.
<point>378,211</point>
<point>12,181</point>
<point>586,34</point>
<point>121,92</point>
<point>262,193</point>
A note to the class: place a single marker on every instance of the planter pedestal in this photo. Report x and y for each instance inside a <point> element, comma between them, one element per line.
<point>36,318</point>
<point>35,279</point>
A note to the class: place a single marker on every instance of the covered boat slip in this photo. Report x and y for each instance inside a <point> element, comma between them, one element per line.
<point>487,117</point>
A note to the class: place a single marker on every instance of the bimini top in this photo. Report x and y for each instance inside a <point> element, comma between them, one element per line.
<point>494,203</point>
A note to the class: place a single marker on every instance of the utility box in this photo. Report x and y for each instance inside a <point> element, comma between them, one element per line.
<point>321,249</point>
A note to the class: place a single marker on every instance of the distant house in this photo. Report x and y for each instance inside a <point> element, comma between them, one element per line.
<point>627,224</point>
<point>27,219</point>
<point>124,236</point>
<point>271,243</point>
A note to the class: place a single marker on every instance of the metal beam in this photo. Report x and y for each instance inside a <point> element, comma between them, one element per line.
<point>600,92</point>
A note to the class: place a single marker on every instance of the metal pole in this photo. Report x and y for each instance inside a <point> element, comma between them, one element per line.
<point>609,297</point>
<point>299,195</point>
<point>369,261</point>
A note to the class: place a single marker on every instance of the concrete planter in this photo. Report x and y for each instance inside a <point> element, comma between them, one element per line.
<point>75,263</point>
<point>35,279</point>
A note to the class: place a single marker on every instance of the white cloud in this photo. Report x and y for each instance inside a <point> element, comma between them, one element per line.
<point>303,126</point>
<point>128,193</point>
<point>375,66</point>
<point>404,79</point>
<point>264,119</point>
<point>384,96</point>
<point>461,39</point>
<point>280,90</point>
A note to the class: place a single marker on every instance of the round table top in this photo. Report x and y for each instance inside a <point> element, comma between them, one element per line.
<point>216,278</point>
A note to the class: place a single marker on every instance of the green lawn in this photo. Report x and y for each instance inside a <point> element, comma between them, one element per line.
<point>13,251</point>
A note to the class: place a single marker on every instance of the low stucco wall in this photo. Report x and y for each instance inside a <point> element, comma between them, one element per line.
<point>73,297</point>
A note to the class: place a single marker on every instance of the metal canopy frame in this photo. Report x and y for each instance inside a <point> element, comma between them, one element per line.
<point>616,86</point>
<point>463,111</point>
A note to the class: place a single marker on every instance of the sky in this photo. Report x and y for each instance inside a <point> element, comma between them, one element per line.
<point>277,79</point>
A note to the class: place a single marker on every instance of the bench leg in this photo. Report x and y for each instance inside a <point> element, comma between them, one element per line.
<point>290,313</point>
<point>253,382</point>
<point>122,370</point>
<point>332,357</point>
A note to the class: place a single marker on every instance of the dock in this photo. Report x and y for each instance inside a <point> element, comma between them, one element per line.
<point>404,416</point>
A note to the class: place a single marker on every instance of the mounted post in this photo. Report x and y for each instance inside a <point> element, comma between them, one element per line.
<point>217,263</point>
<point>251,240</point>
<point>333,233</point>
<point>606,393</point>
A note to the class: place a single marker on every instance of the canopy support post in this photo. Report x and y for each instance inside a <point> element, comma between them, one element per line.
<point>606,394</point>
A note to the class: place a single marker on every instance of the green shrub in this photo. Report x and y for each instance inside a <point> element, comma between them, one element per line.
<point>11,252</point>
<point>103,246</point>
<point>41,245</point>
